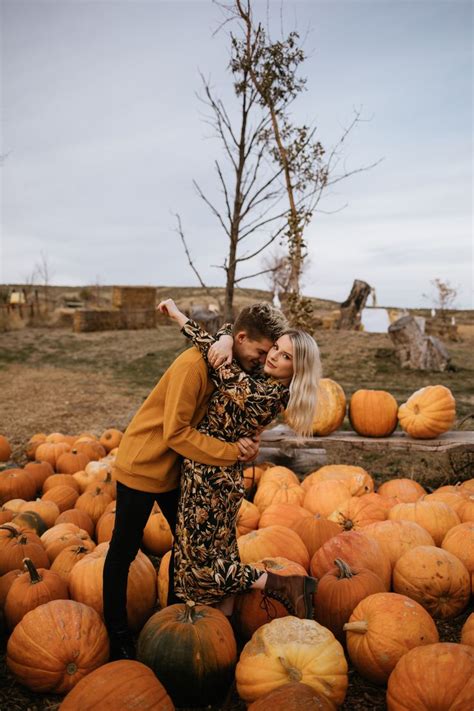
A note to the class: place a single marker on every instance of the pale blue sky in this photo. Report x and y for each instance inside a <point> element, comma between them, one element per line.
<point>104,136</point>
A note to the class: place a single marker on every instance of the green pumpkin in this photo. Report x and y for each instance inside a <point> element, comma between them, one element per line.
<point>192,650</point>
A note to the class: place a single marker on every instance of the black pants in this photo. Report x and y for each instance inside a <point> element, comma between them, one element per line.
<point>133,508</point>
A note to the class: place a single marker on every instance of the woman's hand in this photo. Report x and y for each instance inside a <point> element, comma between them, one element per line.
<point>220,352</point>
<point>169,308</point>
<point>248,448</point>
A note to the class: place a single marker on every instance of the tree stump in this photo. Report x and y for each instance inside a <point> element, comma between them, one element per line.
<point>414,349</point>
<point>351,309</point>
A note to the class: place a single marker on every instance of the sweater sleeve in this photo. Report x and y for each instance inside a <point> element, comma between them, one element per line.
<point>180,405</point>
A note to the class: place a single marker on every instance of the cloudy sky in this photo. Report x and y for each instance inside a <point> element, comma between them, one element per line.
<point>103,136</point>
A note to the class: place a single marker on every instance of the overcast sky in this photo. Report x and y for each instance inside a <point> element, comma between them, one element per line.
<point>103,136</point>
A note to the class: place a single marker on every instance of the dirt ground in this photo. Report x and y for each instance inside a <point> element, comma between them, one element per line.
<point>52,379</point>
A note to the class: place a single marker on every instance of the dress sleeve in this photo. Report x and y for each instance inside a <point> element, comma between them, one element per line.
<point>199,338</point>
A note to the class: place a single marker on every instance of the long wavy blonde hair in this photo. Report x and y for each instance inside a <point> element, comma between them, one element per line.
<point>304,383</point>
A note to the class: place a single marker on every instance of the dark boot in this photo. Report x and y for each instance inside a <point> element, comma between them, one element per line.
<point>122,646</point>
<point>293,591</point>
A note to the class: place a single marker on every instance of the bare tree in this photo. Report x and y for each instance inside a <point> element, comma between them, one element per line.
<point>443,298</point>
<point>43,273</point>
<point>308,170</point>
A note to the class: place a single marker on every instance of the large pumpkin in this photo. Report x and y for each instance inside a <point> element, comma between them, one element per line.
<point>125,684</point>
<point>459,541</point>
<point>373,413</point>
<point>359,511</point>
<point>85,584</point>
<point>428,413</point>
<point>282,514</point>
<point>278,492</point>
<point>405,490</point>
<point>314,531</point>
<point>435,516</point>
<point>396,537</point>
<point>324,497</point>
<point>356,549</point>
<point>357,479</point>
<point>338,593</point>
<point>192,650</point>
<point>294,696</point>
<point>5,449</point>
<point>436,676</point>
<point>248,517</point>
<point>382,628</point>
<point>289,649</point>
<point>15,546</point>
<point>467,631</point>
<point>57,644</point>
<point>16,484</point>
<point>271,542</point>
<point>435,578</point>
<point>330,407</point>
<point>33,588</point>
<point>157,536</point>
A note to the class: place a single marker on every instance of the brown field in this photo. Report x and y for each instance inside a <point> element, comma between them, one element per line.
<point>52,379</point>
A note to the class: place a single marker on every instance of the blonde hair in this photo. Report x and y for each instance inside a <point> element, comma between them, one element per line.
<point>304,383</point>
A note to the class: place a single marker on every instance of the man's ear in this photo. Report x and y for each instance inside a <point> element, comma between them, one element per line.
<point>240,337</point>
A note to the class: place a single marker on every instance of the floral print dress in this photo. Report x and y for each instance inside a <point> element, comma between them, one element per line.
<point>206,556</point>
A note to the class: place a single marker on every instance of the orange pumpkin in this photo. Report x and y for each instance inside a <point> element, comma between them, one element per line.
<point>15,545</point>
<point>67,559</point>
<point>467,631</point>
<point>125,684</point>
<point>16,484</point>
<point>357,479</point>
<point>5,449</point>
<point>357,549</point>
<point>79,518</point>
<point>435,578</point>
<point>396,537</point>
<point>271,542</point>
<point>57,644</point>
<point>60,480</point>
<point>71,462</point>
<point>90,447</point>
<point>163,579</point>
<point>47,510</point>
<point>85,584</point>
<point>278,474</point>
<point>252,476</point>
<point>33,444</point>
<point>330,407</point>
<point>93,502</point>
<point>252,609</point>
<point>40,471</point>
<point>192,650</point>
<point>294,696</point>
<point>283,514</point>
<point>35,587</point>
<point>359,511</point>
<point>428,413</point>
<point>382,628</point>
<point>338,593</point>
<point>373,413</point>
<point>434,676</point>
<point>157,536</point>
<point>106,523</point>
<point>50,451</point>
<point>63,495</point>
<point>324,497</point>
<point>314,531</point>
<point>66,539</point>
<point>459,541</point>
<point>405,490</point>
<point>289,649</point>
<point>248,517</point>
<point>277,492</point>
<point>435,516</point>
<point>110,438</point>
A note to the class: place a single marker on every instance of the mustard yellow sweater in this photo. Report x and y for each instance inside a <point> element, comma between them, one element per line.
<point>163,429</point>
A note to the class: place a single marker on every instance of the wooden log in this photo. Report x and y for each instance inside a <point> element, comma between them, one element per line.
<point>444,460</point>
<point>414,349</point>
<point>351,308</point>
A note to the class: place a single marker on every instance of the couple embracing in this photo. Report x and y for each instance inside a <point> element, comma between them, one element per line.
<point>185,448</point>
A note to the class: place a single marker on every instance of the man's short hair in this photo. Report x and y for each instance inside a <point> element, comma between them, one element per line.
<point>261,320</point>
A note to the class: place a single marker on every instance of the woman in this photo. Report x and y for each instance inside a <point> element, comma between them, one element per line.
<point>206,556</point>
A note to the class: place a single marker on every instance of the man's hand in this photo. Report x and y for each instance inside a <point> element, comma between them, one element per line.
<point>248,448</point>
<point>220,352</point>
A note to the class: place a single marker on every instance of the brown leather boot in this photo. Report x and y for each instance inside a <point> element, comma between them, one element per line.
<point>293,591</point>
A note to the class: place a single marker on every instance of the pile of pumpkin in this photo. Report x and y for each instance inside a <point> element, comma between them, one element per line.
<point>389,564</point>
<point>428,412</point>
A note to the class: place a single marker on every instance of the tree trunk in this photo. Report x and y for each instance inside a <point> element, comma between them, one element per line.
<point>351,308</point>
<point>414,349</point>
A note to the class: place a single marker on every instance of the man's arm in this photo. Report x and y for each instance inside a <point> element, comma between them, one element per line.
<point>183,438</point>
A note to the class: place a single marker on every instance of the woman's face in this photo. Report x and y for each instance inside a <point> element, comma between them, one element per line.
<point>279,361</point>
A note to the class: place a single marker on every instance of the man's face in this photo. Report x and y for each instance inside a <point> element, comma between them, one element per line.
<point>250,353</point>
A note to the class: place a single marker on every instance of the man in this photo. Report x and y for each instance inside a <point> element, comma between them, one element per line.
<point>147,465</point>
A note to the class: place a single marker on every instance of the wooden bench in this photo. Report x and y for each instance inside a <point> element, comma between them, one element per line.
<point>432,462</point>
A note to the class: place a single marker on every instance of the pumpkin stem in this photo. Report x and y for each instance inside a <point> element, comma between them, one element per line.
<point>189,611</point>
<point>13,529</point>
<point>35,577</point>
<point>293,673</point>
<point>344,568</point>
<point>361,626</point>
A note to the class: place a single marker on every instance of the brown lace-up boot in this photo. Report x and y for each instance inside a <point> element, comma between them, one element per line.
<point>293,591</point>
